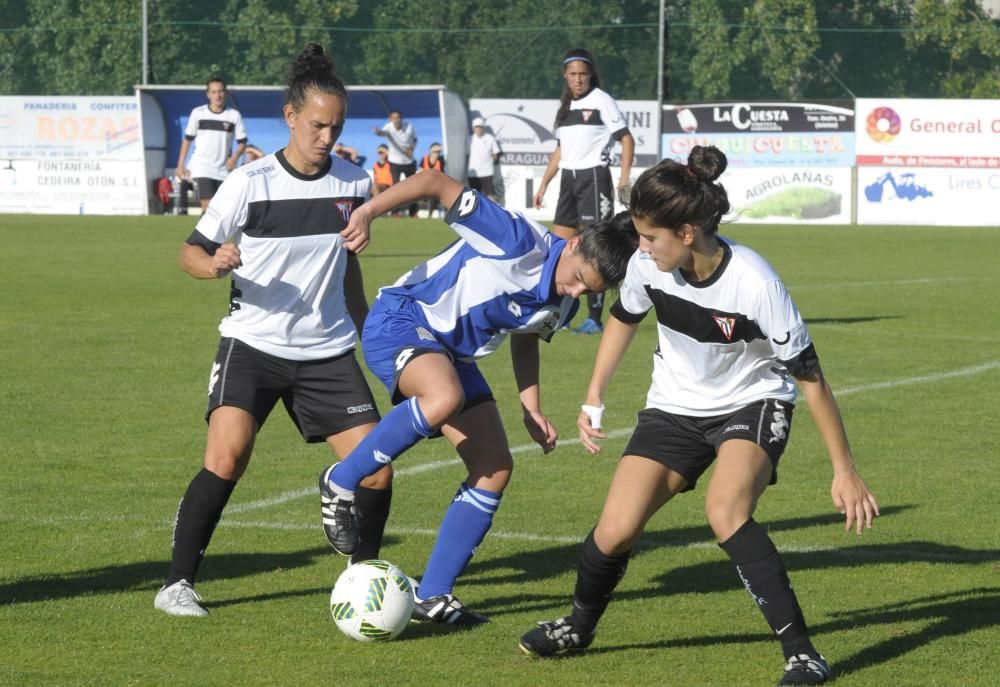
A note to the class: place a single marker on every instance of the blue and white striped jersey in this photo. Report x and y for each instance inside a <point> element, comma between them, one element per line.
<point>496,279</point>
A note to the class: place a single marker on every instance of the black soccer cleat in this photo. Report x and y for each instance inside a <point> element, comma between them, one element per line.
<point>340,522</point>
<point>446,609</point>
<point>555,637</point>
<point>803,669</point>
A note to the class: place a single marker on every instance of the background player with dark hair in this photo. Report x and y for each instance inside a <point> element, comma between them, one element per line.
<point>505,274</point>
<point>587,124</point>
<point>730,342</point>
<point>402,141</point>
<point>296,288</point>
<point>212,127</point>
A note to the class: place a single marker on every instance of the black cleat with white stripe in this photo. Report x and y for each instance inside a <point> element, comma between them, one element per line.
<point>554,637</point>
<point>803,669</point>
<point>446,609</point>
<point>340,521</point>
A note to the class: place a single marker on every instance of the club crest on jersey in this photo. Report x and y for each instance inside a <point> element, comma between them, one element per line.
<point>346,208</point>
<point>727,325</point>
<point>586,114</point>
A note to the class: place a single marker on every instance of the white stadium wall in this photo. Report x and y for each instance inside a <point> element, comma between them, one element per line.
<point>523,128</point>
<point>788,162</point>
<point>71,155</point>
<point>933,162</point>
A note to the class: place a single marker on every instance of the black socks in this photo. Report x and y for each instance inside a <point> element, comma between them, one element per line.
<point>372,508</point>
<point>197,515</point>
<point>597,576</point>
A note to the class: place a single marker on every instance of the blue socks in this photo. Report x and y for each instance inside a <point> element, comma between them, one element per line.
<point>400,429</point>
<point>466,522</point>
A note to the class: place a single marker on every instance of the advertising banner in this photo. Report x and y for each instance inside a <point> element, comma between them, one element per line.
<point>928,196</point>
<point>523,128</point>
<point>764,134</point>
<point>70,155</point>
<point>810,195</point>
<point>955,134</point>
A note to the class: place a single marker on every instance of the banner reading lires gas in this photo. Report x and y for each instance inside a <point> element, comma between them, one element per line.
<point>933,162</point>
<point>71,155</point>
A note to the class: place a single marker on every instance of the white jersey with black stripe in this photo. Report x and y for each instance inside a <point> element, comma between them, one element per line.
<point>588,130</point>
<point>288,296</point>
<point>213,134</point>
<point>723,343</point>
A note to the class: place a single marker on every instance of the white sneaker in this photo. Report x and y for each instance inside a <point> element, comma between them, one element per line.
<point>180,598</point>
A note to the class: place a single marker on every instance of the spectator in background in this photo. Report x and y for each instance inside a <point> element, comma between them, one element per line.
<point>381,171</point>
<point>212,127</point>
<point>484,154</point>
<point>433,160</point>
<point>587,124</point>
<point>402,142</point>
<point>252,153</point>
<point>348,153</point>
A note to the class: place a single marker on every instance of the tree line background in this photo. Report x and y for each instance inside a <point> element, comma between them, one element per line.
<point>715,49</point>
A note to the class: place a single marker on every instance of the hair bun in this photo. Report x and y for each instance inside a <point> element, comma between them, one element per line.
<point>312,60</point>
<point>707,163</point>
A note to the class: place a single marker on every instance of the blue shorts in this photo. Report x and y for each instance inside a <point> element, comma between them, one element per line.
<point>395,333</point>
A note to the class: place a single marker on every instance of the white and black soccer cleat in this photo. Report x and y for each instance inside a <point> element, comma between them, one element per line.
<point>181,599</point>
<point>446,609</point>
<point>554,637</point>
<point>340,521</point>
<point>803,669</point>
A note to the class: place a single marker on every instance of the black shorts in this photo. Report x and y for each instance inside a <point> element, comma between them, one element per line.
<point>483,185</point>
<point>688,445</point>
<point>207,187</point>
<point>322,397</point>
<point>585,197</point>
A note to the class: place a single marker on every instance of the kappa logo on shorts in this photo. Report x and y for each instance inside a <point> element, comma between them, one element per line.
<point>403,358</point>
<point>727,325</point>
<point>213,377</point>
<point>736,428</point>
<point>363,408</point>
<point>779,428</point>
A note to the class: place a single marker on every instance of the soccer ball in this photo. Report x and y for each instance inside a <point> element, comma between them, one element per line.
<point>372,601</point>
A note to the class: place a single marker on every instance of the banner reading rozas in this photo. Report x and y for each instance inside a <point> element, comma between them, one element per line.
<point>69,155</point>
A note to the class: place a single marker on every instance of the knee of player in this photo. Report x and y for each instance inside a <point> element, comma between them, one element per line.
<point>441,403</point>
<point>724,517</point>
<point>614,535</point>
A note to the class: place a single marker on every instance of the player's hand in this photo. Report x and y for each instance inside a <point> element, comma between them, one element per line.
<point>226,259</point>
<point>853,498</point>
<point>358,231</point>
<point>182,173</point>
<point>588,433</point>
<point>377,131</point>
<point>541,430</point>
<point>537,200</point>
<point>231,163</point>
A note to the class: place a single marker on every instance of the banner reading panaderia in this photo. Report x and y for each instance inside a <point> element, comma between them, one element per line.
<point>71,155</point>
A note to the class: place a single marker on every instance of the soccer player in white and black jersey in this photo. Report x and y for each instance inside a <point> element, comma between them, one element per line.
<point>587,124</point>
<point>296,298</point>
<point>731,347</point>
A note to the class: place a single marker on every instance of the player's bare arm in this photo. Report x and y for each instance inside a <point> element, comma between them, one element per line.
<point>851,496</point>
<point>615,341</point>
<point>196,261</point>
<point>525,359</point>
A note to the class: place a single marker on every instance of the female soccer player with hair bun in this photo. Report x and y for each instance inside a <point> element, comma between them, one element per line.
<point>731,342</point>
<point>296,298</point>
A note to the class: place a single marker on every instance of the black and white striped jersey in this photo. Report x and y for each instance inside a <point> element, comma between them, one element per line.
<point>588,130</point>
<point>288,297</point>
<point>723,343</point>
<point>213,134</point>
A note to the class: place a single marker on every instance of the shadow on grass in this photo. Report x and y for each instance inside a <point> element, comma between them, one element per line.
<point>555,561</point>
<point>940,617</point>
<point>148,575</point>
<point>850,320</point>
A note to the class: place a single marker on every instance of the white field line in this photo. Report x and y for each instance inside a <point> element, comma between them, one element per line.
<point>613,434</point>
<point>892,282</point>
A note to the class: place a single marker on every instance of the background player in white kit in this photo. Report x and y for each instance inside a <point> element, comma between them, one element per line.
<point>484,154</point>
<point>730,342</point>
<point>289,334</point>
<point>212,127</point>
<point>588,122</point>
<point>402,140</point>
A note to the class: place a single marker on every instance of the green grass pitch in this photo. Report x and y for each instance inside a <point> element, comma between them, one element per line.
<point>105,349</point>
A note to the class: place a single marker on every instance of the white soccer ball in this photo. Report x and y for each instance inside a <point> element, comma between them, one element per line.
<point>372,601</point>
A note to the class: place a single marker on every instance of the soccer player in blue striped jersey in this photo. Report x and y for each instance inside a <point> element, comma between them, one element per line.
<point>504,275</point>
